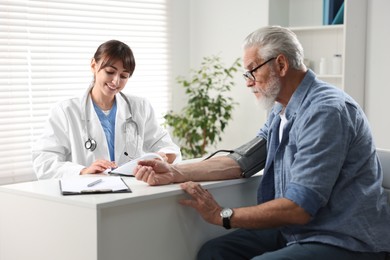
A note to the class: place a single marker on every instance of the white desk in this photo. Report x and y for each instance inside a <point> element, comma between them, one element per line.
<point>38,223</point>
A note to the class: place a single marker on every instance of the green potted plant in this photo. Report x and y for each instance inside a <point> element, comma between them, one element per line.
<point>205,117</point>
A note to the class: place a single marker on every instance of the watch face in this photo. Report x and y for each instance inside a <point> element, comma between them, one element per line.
<point>226,213</point>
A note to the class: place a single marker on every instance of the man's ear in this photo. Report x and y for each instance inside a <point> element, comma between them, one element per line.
<point>282,64</point>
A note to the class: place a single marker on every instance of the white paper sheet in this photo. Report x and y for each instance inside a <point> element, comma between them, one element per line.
<point>127,168</point>
<point>80,184</point>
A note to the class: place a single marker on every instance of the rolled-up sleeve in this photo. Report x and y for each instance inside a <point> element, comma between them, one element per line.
<point>307,199</point>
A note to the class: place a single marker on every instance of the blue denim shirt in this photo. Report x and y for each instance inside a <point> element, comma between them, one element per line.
<point>326,163</point>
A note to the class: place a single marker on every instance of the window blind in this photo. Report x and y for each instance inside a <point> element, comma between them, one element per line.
<point>45,52</point>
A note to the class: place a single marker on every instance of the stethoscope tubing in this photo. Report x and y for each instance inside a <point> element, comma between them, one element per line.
<point>91,143</point>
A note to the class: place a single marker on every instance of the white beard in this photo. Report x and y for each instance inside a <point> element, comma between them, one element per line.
<point>268,97</point>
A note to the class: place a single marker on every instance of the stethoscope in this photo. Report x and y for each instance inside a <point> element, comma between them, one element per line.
<point>91,143</point>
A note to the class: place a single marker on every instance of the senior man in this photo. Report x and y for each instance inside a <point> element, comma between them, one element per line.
<point>320,196</point>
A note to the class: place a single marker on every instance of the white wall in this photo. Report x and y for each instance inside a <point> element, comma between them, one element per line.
<point>205,27</point>
<point>218,27</point>
<point>180,33</point>
<point>377,71</point>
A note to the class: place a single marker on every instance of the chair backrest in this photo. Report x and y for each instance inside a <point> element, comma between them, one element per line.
<point>384,158</point>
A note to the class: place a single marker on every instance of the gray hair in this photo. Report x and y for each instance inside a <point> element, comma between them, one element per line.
<point>275,40</point>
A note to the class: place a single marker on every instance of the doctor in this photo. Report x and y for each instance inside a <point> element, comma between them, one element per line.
<point>103,129</point>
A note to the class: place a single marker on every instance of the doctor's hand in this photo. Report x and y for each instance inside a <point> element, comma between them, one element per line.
<point>98,166</point>
<point>203,201</point>
<point>154,172</point>
<point>164,156</point>
<point>168,157</point>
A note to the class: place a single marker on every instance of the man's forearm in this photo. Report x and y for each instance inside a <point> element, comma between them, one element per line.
<point>217,168</point>
<point>275,213</point>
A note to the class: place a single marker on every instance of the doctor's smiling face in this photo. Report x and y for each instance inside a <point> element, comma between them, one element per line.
<point>110,79</point>
<point>112,65</point>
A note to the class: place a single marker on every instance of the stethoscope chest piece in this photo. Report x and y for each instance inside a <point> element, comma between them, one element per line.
<point>90,144</point>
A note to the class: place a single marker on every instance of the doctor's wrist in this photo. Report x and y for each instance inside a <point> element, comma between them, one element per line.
<point>83,171</point>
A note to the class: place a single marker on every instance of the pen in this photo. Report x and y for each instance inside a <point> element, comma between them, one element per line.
<point>94,183</point>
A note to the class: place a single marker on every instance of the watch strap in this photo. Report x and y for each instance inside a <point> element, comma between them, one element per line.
<point>226,214</point>
<point>226,223</point>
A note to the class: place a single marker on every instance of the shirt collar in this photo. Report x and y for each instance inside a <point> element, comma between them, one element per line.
<point>299,94</point>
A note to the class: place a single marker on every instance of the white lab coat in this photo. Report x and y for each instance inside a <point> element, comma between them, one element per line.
<point>61,152</point>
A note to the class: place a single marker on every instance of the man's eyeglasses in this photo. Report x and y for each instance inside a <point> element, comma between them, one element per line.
<point>249,74</point>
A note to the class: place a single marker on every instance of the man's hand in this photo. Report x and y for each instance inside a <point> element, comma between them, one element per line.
<point>154,172</point>
<point>203,202</point>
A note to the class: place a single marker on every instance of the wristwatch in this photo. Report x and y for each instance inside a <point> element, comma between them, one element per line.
<point>226,214</point>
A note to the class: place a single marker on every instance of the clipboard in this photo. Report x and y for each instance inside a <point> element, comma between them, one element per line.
<point>93,185</point>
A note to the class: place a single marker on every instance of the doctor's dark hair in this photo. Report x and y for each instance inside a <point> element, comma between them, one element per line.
<point>112,51</point>
<point>274,40</point>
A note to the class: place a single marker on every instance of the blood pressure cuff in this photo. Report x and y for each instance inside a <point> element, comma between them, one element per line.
<point>251,156</point>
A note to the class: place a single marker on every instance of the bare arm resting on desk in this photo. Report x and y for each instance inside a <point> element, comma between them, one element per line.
<point>159,173</point>
<point>245,160</point>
